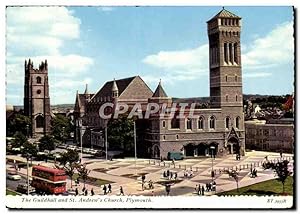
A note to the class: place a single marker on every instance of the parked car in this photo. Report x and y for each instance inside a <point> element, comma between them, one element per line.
<point>13,176</point>
<point>22,188</point>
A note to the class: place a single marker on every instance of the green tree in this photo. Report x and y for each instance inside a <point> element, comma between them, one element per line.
<point>19,123</point>
<point>69,161</point>
<point>61,127</point>
<point>29,148</point>
<point>281,170</point>
<point>83,172</point>
<point>19,140</point>
<point>47,142</point>
<point>120,134</point>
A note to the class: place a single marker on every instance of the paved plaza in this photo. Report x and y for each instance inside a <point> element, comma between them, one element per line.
<point>127,173</point>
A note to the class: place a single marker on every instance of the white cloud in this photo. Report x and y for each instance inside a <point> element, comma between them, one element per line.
<point>266,52</point>
<point>276,48</point>
<point>40,33</point>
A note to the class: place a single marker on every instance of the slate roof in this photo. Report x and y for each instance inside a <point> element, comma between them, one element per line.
<point>159,92</point>
<point>224,14</point>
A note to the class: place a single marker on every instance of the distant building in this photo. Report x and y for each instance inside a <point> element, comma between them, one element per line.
<point>275,135</point>
<point>219,126</point>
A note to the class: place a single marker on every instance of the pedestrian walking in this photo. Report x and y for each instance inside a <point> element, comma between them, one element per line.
<point>109,188</point>
<point>202,190</point>
<point>121,191</point>
<point>76,191</point>
<point>168,173</point>
<point>175,175</point>
<point>199,190</point>
<point>83,189</point>
<point>86,192</point>
<point>171,175</point>
<point>92,192</point>
<point>104,190</point>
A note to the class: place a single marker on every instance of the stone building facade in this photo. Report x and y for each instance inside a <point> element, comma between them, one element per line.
<point>219,128</point>
<point>276,135</point>
<point>37,99</point>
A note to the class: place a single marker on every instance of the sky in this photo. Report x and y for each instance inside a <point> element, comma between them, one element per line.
<point>92,45</point>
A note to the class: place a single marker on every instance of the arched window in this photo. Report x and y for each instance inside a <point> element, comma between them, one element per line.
<point>164,137</point>
<point>188,123</point>
<point>227,122</point>
<point>226,78</point>
<point>164,124</point>
<point>226,98</point>
<point>38,80</point>
<point>235,78</point>
<point>39,121</point>
<point>236,98</point>
<point>237,122</point>
<point>212,122</point>
<point>177,137</point>
<point>201,123</point>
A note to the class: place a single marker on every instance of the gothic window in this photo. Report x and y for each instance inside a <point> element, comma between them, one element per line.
<point>236,98</point>
<point>188,123</point>
<point>212,122</point>
<point>237,122</point>
<point>230,53</point>
<point>201,123</point>
<point>164,137</point>
<point>39,121</point>
<point>227,122</point>
<point>226,98</point>
<point>175,123</point>
<point>177,137</point>
<point>164,124</point>
<point>225,53</point>
<point>235,78</point>
<point>235,53</point>
<point>226,78</point>
<point>39,80</point>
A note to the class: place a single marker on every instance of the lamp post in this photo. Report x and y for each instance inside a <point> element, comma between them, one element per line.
<point>106,143</point>
<point>212,148</point>
<point>134,136</point>
<point>27,158</point>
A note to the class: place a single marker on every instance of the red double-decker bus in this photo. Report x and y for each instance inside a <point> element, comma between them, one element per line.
<point>48,180</point>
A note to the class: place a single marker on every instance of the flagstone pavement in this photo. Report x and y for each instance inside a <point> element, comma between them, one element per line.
<point>127,173</point>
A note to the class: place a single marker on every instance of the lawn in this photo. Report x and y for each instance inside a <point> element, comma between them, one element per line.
<point>92,180</point>
<point>271,187</point>
<point>10,192</point>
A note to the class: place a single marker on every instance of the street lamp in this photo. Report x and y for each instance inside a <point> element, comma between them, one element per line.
<point>134,135</point>
<point>212,148</point>
<point>27,158</point>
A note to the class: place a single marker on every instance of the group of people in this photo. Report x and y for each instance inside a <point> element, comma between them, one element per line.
<point>106,189</point>
<point>200,189</point>
<point>188,173</point>
<point>170,175</point>
<point>84,191</point>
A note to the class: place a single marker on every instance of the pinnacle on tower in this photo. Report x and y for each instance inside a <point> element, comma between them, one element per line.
<point>159,91</point>
<point>114,89</point>
<point>86,89</point>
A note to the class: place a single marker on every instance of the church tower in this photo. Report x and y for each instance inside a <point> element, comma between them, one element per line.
<point>225,60</point>
<point>36,98</point>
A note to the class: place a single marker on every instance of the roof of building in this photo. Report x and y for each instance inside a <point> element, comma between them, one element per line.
<point>224,14</point>
<point>114,87</point>
<point>159,91</point>
<point>106,90</point>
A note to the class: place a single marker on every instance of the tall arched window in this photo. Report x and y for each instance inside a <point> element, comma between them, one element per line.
<point>212,122</point>
<point>188,123</point>
<point>227,122</point>
<point>236,98</point>
<point>39,121</point>
<point>226,98</point>
<point>201,123</point>
<point>38,80</point>
<point>164,124</point>
<point>237,122</point>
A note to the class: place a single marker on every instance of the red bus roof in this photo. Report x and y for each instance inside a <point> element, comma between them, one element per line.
<point>47,169</point>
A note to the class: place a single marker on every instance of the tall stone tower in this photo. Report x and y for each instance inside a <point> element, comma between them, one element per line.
<point>225,60</point>
<point>226,72</point>
<point>36,98</point>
